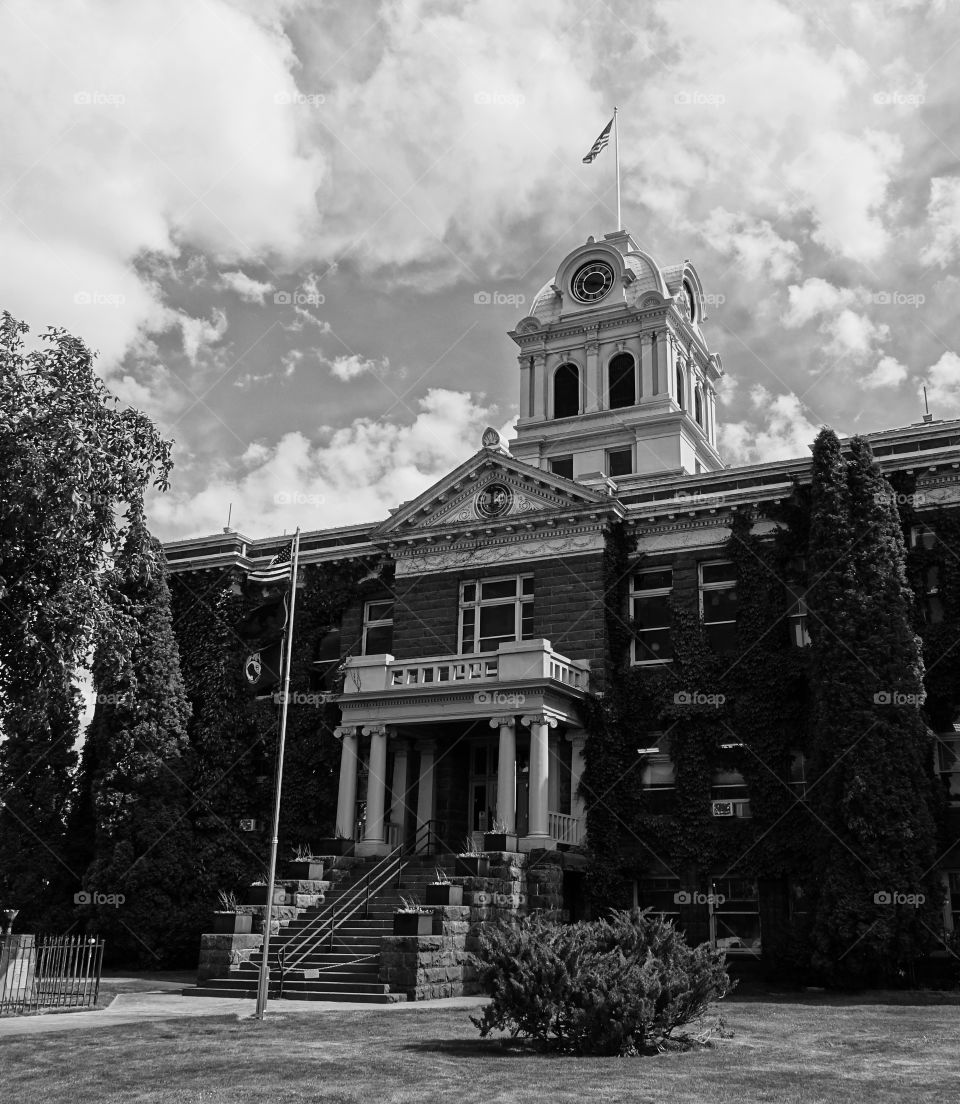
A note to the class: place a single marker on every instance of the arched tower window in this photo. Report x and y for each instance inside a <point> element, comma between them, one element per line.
<point>566,391</point>
<point>680,386</point>
<point>622,389</point>
<point>698,407</point>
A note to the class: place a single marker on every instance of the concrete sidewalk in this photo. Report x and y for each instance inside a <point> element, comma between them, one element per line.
<point>142,1007</point>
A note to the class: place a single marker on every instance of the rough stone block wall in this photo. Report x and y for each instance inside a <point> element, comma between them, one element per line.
<point>220,954</point>
<point>439,965</point>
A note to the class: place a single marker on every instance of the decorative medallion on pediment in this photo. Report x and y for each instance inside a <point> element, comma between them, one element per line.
<point>496,500</point>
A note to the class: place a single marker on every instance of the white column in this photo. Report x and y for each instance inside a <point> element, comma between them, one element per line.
<point>538,832</point>
<point>398,808</point>
<point>425,789</point>
<point>578,807</point>
<point>540,384</point>
<point>646,368</point>
<point>553,787</point>
<point>712,408</point>
<point>507,772</point>
<point>373,842</point>
<point>591,388</point>
<point>665,364</point>
<point>347,794</point>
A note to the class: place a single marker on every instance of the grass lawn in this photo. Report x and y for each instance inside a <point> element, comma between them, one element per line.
<point>805,1049</point>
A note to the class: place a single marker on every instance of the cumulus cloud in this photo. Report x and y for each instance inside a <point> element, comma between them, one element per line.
<point>815,296</point>
<point>779,430</point>
<point>198,333</point>
<point>162,131</point>
<point>943,212</point>
<point>853,335</point>
<point>753,244</point>
<point>357,475</point>
<point>888,373</point>
<point>347,368</point>
<point>943,386</point>
<point>250,290</point>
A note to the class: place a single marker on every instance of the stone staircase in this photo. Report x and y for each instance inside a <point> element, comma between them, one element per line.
<point>348,970</point>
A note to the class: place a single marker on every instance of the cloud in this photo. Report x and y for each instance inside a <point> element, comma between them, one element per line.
<point>780,430</point>
<point>943,386</point>
<point>249,290</point>
<point>943,213</point>
<point>135,130</point>
<point>755,246</point>
<point>815,296</point>
<point>853,336</point>
<point>358,475</point>
<point>888,373</point>
<point>347,368</point>
<point>198,333</point>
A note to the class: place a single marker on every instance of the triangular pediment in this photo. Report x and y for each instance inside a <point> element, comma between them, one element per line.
<point>491,489</point>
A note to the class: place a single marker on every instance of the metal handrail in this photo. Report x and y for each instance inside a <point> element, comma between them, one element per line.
<point>339,912</point>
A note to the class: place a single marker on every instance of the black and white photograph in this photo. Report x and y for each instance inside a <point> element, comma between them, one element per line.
<point>479,551</point>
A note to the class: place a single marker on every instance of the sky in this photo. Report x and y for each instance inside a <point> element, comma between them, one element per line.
<point>297,232</point>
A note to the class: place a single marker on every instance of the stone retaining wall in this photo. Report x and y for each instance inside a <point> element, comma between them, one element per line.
<point>439,965</point>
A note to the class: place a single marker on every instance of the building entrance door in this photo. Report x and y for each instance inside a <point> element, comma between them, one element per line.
<point>483,785</point>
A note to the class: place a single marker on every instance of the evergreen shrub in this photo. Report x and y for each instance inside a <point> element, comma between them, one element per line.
<point>616,986</point>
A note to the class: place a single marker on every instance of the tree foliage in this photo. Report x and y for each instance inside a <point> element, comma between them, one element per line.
<point>72,461</point>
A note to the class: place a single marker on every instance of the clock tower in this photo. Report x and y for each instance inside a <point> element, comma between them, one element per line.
<point>616,380</point>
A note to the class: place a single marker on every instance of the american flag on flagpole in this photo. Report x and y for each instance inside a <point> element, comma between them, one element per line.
<point>599,144</point>
<point>278,570</point>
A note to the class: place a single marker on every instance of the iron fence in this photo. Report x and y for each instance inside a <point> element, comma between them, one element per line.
<point>40,972</point>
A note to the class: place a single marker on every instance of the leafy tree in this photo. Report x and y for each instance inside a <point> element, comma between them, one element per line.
<point>875,902</point>
<point>70,460</point>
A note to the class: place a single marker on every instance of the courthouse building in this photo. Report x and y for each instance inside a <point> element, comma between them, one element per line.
<point>466,657</point>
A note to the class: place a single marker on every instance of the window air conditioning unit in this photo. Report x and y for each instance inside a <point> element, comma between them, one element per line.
<point>722,808</point>
<point>249,825</point>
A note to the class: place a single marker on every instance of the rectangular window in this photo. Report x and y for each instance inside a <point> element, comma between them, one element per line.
<point>378,627</point>
<point>562,465</point>
<point>494,612</point>
<point>798,773</point>
<point>932,602</point>
<point>662,895</point>
<point>659,775</point>
<point>620,462</point>
<point>799,633</point>
<point>923,536</point>
<point>948,765</point>
<point>729,796</point>
<point>650,609</point>
<point>718,604</point>
<point>953,898</point>
<point>735,917</point>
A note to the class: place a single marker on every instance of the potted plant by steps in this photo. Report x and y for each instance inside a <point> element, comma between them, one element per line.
<point>257,893</point>
<point>499,839</point>
<point>412,918</point>
<point>305,866</point>
<point>335,845</point>
<point>441,891</point>
<point>228,919</point>
<point>471,863</point>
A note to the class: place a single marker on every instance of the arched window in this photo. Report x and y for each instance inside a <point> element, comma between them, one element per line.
<point>622,391</point>
<point>698,407</point>
<point>680,386</point>
<point>566,391</point>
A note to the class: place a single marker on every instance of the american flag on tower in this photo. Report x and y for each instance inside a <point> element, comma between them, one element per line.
<point>599,144</point>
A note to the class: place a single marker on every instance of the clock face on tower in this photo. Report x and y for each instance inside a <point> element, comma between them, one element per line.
<point>592,281</point>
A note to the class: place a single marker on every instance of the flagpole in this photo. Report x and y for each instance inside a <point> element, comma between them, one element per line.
<point>263,983</point>
<point>616,151</point>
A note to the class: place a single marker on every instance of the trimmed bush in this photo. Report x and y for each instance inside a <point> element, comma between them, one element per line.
<point>620,985</point>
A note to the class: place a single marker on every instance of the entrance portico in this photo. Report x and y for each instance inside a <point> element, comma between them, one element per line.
<point>424,710</point>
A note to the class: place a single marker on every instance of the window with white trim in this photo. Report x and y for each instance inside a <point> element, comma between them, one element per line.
<point>923,536</point>
<point>799,633</point>
<point>658,774</point>
<point>495,611</point>
<point>718,604</point>
<point>948,764</point>
<point>650,593</point>
<point>378,627</point>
